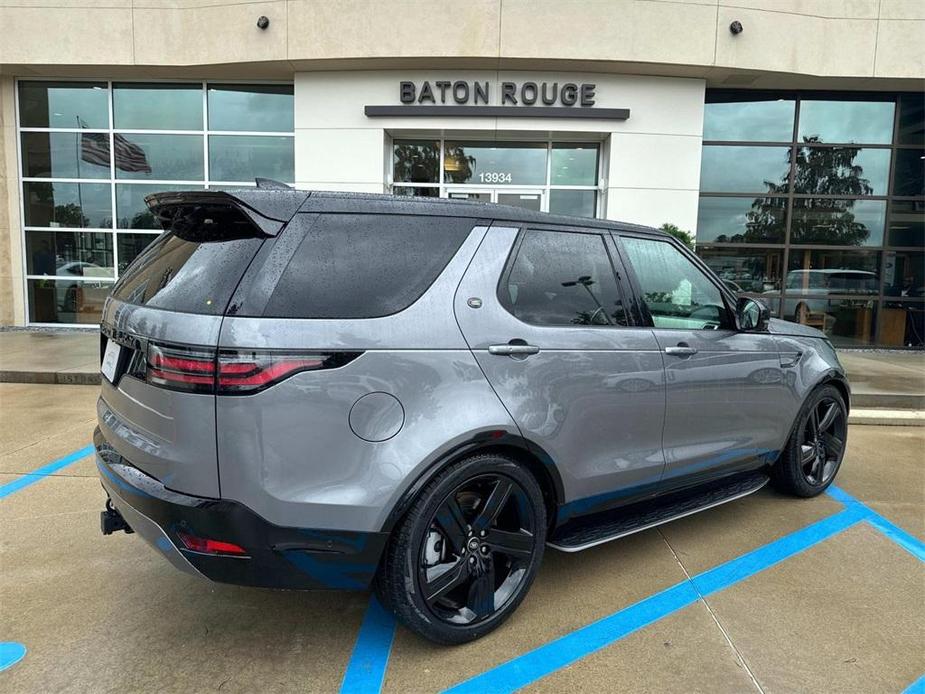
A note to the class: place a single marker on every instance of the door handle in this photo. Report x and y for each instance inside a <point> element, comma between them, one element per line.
<point>513,350</point>
<point>681,351</point>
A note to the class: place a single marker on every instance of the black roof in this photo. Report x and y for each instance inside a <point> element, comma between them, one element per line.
<point>280,204</point>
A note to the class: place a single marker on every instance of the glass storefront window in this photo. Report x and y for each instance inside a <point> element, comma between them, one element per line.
<point>907,223</point>
<point>244,157</point>
<point>76,205</point>
<point>63,105</point>
<point>824,272</point>
<point>746,117</point>
<point>423,192</point>
<point>157,106</point>
<point>754,271</point>
<point>66,301</point>
<point>841,171</point>
<point>734,169</point>
<point>902,324</point>
<point>836,122</point>
<point>578,203</point>
<point>574,165</point>
<point>848,322</point>
<point>909,173</point>
<point>495,163</point>
<point>904,274</point>
<point>837,222</point>
<point>159,157</point>
<point>911,119</point>
<point>70,253</point>
<point>131,245</point>
<point>251,108</point>
<point>416,161</point>
<point>741,220</point>
<point>65,155</point>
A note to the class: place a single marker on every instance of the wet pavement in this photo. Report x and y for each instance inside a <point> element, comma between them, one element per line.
<point>101,614</point>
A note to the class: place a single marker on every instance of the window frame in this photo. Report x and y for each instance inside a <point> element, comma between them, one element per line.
<point>112,180</point>
<point>729,323</point>
<point>616,268</point>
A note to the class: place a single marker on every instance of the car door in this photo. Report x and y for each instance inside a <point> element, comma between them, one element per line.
<point>726,394</point>
<point>543,311</point>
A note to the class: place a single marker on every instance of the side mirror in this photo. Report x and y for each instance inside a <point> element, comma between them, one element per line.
<point>752,315</point>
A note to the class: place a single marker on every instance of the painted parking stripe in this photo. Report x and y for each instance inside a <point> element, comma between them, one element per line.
<point>40,473</point>
<point>906,540</point>
<point>366,669</point>
<point>10,654</point>
<point>917,687</point>
<point>540,662</point>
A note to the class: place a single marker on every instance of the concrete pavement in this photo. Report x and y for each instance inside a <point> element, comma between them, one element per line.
<point>107,614</point>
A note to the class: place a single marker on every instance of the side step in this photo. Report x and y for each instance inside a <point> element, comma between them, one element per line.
<point>589,531</point>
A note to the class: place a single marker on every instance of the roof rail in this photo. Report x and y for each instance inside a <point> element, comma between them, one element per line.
<point>270,184</point>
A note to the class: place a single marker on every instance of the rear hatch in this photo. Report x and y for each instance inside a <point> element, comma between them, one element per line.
<point>160,329</point>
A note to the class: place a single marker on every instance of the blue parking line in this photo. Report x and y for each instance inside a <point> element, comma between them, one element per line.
<point>917,687</point>
<point>366,669</point>
<point>40,473</point>
<point>11,653</point>
<point>540,662</point>
<point>906,540</point>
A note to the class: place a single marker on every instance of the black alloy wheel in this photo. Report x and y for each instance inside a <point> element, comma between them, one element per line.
<point>823,442</point>
<point>477,551</point>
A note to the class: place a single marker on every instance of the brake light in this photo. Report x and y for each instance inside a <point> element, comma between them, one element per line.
<point>232,372</point>
<point>207,546</point>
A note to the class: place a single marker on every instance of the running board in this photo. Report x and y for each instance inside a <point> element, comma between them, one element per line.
<point>589,531</point>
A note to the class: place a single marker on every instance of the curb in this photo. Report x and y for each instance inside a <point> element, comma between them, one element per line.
<point>67,378</point>
<point>884,417</point>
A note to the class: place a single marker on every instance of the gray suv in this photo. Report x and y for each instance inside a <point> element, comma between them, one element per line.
<point>322,390</point>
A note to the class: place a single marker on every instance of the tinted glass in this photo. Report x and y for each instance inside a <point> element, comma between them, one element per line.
<point>578,203</point>
<point>157,106</point>
<point>364,266</point>
<point>259,108</point>
<point>848,322</point>
<point>131,246</point>
<point>574,165</point>
<point>741,220</point>
<point>832,272</point>
<point>677,294</point>
<point>842,171</point>
<point>131,210</point>
<point>159,157</point>
<point>245,157</point>
<point>72,253</point>
<point>67,301</point>
<point>189,276</point>
<point>727,169</point>
<point>65,155</point>
<point>528,201</point>
<point>902,324</point>
<point>904,274</point>
<point>422,192</point>
<point>912,119</point>
<point>63,105</point>
<point>751,271</point>
<point>838,222</point>
<point>759,120</point>
<point>865,122</point>
<point>78,205</point>
<point>563,279</point>
<point>416,161</point>
<point>495,163</point>
<point>907,223</point>
<point>909,173</point>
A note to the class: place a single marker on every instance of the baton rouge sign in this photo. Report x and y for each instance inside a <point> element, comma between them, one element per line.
<point>465,98</point>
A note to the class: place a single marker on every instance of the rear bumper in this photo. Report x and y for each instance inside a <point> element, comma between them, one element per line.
<point>277,557</point>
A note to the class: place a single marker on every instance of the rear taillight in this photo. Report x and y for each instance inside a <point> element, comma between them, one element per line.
<point>207,546</point>
<point>232,372</point>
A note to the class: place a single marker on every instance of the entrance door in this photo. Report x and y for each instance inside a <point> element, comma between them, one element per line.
<point>528,199</point>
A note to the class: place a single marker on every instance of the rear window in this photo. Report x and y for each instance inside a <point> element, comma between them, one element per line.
<point>364,265</point>
<point>192,276</point>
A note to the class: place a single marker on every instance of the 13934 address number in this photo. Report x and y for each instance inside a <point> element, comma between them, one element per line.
<point>495,177</point>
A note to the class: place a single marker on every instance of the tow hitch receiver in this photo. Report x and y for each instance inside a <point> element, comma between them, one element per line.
<point>111,521</point>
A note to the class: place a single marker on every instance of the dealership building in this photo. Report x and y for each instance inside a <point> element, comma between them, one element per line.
<point>787,136</point>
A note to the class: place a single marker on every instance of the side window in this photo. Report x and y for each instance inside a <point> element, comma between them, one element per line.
<point>675,290</point>
<point>561,278</point>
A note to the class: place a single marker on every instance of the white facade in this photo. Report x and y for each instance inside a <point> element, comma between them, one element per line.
<point>651,161</point>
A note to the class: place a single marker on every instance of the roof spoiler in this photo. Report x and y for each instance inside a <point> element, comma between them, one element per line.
<point>260,211</point>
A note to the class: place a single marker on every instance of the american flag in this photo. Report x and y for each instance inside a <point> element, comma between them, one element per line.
<point>94,148</point>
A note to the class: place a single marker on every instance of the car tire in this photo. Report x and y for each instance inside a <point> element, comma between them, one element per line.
<point>814,452</point>
<point>473,538</point>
